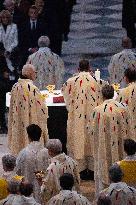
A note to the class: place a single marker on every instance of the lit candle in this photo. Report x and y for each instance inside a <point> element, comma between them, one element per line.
<point>97,74</point>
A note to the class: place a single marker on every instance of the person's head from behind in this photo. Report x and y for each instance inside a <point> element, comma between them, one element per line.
<point>103,200</point>
<point>6,18</point>
<point>34,132</point>
<point>84,66</point>
<point>33,13</point>
<point>43,42</point>
<point>54,147</point>
<point>29,72</point>
<point>9,5</point>
<point>13,187</point>
<point>115,173</point>
<point>26,189</point>
<point>66,181</point>
<point>107,92</point>
<point>130,73</point>
<point>126,43</point>
<point>8,162</point>
<point>129,147</point>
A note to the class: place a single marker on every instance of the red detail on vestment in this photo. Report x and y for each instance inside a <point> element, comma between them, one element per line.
<point>117,196</point>
<point>82,101</point>
<point>93,89</point>
<point>16,108</point>
<point>98,118</point>
<point>39,102</point>
<point>49,62</point>
<point>122,114</point>
<point>24,97</point>
<point>114,128</point>
<point>126,101</point>
<point>81,83</point>
<point>70,89</point>
<point>111,109</point>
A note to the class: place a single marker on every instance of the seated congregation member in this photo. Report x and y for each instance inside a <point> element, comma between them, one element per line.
<point>33,158</point>
<point>104,200</point>
<point>128,94</point>
<point>60,164</point>
<point>49,66</point>
<point>9,38</point>
<point>128,165</point>
<point>118,191</point>
<point>67,196</point>
<point>25,197</point>
<point>120,62</point>
<point>13,192</point>
<point>8,163</point>
<point>82,93</point>
<point>27,106</point>
<point>109,125</point>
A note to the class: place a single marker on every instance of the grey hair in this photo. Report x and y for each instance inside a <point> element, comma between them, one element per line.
<point>43,41</point>
<point>115,173</point>
<point>27,69</point>
<point>54,145</point>
<point>9,161</point>
<point>14,186</point>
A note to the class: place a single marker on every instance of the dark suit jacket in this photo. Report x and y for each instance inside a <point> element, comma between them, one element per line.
<point>29,38</point>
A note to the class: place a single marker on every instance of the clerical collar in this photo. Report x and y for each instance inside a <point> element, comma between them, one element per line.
<point>44,49</point>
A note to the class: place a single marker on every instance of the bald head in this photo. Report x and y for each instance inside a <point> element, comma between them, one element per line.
<point>126,43</point>
<point>29,72</point>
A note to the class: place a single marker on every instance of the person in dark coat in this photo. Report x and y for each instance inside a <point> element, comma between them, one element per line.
<point>29,33</point>
<point>129,19</point>
<point>54,14</point>
<point>4,87</point>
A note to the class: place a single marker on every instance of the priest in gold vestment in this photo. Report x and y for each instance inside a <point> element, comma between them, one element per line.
<point>27,106</point>
<point>109,125</point>
<point>128,94</point>
<point>81,93</point>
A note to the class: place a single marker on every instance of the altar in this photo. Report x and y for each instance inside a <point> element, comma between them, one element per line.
<point>57,121</point>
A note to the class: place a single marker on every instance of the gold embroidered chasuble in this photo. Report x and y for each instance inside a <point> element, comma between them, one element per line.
<point>108,127</point>
<point>49,66</point>
<point>81,93</point>
<point>67,197</point>
<point>128,96</point>
<point>27,107</point>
